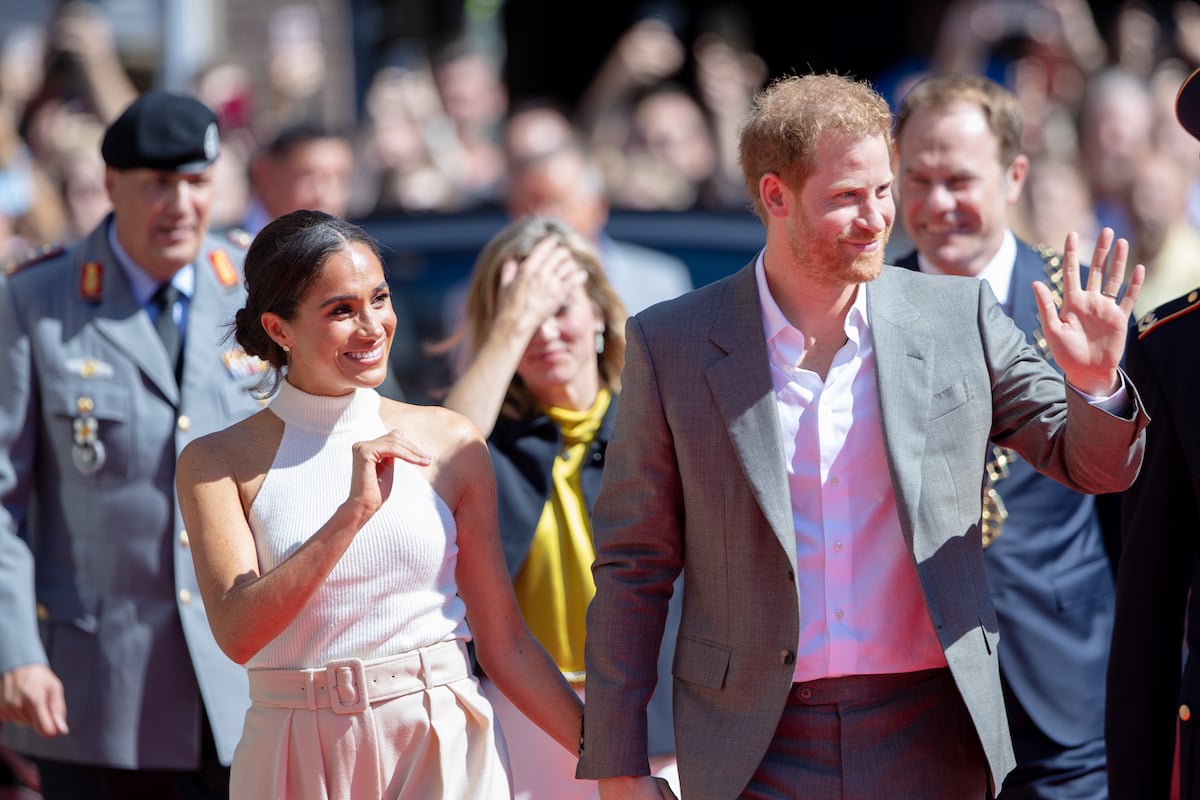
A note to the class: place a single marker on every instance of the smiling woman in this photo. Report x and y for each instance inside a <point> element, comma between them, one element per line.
<point>341,543</point>
<point>544,334</point>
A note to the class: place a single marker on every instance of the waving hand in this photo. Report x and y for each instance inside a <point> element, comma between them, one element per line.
<point>1086,336</point>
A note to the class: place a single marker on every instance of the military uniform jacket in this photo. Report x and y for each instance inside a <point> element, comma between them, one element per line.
<point>1151,690</point>
<point>96,578</point>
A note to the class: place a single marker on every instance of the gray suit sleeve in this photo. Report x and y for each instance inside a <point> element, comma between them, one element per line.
<point>637,524</point>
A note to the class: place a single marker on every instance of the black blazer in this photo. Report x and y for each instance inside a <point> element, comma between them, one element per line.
<point>523,452</point>
<point>1158,580</point>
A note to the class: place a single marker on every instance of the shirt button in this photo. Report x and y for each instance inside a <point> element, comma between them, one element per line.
<point>787,657</point>
<point>185,596</point>
<point>839,613</point>
<point>185,422</point>
<point>834,481</point>
<point>183,539</point>
<point>838,547</point>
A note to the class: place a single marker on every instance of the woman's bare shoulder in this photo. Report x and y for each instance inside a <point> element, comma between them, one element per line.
<point>239,449</point>
<point>434,427</point>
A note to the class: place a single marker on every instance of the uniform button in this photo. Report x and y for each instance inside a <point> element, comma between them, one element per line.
<point>791,576</point>
<point>43,613</point>
<point>183,538</point>
<point>1185,713</point>
<point>806,693</point>
<point>185,422</point>
<point>185,596</point>
<point>787,657</point>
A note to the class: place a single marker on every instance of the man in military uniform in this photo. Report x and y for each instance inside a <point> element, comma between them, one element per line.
<point>114,358</point>
<point>959,172</point>
<point>1153,694</point>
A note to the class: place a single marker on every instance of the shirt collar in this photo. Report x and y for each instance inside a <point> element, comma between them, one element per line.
<point>774,321</point>
<point>785,342</point>
<point>997,272</point>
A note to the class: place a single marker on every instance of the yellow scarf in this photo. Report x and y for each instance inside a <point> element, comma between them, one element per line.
<point>555,584</point>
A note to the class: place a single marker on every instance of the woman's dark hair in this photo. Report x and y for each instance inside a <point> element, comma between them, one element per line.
<point>283,262</point>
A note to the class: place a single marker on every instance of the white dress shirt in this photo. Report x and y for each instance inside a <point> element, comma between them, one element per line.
<point>997,272</point>
<point>862,609</point>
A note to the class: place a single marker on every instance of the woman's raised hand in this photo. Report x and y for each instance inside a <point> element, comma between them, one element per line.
<point>371,476</point>
<point>535,288</point>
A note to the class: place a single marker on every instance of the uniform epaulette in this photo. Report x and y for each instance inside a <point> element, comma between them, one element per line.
<point>34,256</point>
<point>240,237</point>
<point>1172,309</point>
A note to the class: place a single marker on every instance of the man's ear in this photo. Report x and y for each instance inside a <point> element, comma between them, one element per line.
<point>1015,177</point>
<point>774,194</point>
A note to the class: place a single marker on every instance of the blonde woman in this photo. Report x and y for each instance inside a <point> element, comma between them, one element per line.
<point>543,333</point>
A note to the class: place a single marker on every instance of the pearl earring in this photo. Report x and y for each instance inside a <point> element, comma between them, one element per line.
<point>286,349</point>
<point>600,340</point>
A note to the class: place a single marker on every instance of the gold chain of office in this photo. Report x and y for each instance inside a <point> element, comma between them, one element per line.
<point>999,459</point>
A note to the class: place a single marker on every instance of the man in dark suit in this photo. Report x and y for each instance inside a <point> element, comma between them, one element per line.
<point>1153,694</point>
<point>805,439</point>
<point>960,171</point>
<point>114,358</point>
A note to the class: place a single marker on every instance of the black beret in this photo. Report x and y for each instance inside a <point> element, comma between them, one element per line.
<point>1187,104</point>
<point>163,131</point>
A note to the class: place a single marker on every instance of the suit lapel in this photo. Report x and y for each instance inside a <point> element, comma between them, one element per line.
<point>1022,305</point>
<point>904,364</point>
<point>745,397</point>
<point>120,319</point>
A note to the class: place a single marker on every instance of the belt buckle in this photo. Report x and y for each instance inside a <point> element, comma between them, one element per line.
<point>346,682</point>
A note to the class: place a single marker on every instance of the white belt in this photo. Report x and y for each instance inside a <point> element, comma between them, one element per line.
<point>349,685</point>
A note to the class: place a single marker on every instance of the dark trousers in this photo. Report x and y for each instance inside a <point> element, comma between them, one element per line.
<point>66,781</point>
<point>863,737</point>
<point>1047,770</point>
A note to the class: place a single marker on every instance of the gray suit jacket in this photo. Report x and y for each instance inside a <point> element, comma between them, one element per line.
<point>96,578</point>
<point>695,479</point>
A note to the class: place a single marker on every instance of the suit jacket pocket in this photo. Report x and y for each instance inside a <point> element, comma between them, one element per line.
<point>1082,584</point>
<point>77,409</point>
<point>949,398</point>
<point>701,662</point>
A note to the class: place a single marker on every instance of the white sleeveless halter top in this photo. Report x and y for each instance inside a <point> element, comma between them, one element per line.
<point>394,588</point>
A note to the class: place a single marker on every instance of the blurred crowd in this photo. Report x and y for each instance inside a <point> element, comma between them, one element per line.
<point>438,132</point>
<point>659,118</point>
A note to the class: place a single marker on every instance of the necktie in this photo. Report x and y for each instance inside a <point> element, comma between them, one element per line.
<point>164,300</point>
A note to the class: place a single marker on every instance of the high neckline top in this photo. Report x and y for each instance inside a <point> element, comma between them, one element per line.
<point>320,413</point>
